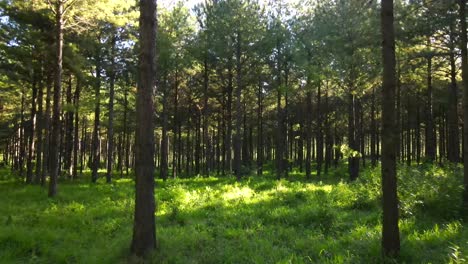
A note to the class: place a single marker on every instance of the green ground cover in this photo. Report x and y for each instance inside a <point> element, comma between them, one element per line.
<point>219,220</point>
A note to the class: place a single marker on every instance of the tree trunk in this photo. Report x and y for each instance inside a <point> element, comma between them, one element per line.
<point>464,53</point>
<point>176,143</point>
<point>97,112</point>
<point>430,132</point>
<point>308,134</point>
<point>144,228</point>
<point>76,139</point>
<point>453,147</point>
<point>164,139</point>
<point>110,129</point>
<point>40,127</point>
<point>390,230</point>
<point>319,131</point>
<point>29,165</point>
<point>55,137</point>
<point>260,130</point>
<point>68,129</point>
<point>237,136</point>
<point>373,139</point>
<point>353,160</point>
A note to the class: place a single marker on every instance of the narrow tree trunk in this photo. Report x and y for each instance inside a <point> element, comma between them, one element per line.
<point>260,130</point>
<point>430,132</point>
<point>40,127</point>
<point>464,53</point>
<point>76,139</point>
<point>97,112</point>
<point>390,230</point>
<point>22,137</point>
<point>308,134</point>
<point>144,228</point>
<point>164,140</point>
<point>353,160</point>
<point>205,113</point>
<point>319,131</point>
<point>47,129</point>
<point>29,165</point>
<point>55,137</point>
<point>237,136</point>
<point>373,132</point>
<point>176,143</point>
<point>453,147</point>
<point>110,129</point>
<point>68,144</point>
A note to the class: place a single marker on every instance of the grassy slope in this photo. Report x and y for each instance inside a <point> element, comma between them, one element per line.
<point>216,220</point>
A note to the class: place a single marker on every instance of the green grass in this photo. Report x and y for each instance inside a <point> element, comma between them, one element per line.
<point>218,220</point>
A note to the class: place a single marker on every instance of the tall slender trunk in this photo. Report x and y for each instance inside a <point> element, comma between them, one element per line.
<point>228,139</point>
<point>390,230</point>
<point>144,228</point>
<point>464,65</point>
<point>97,112</point>
<point>47,129</point>
<point>453,137</point>
<point>22,137</point>
<point>353,160</point>
<point>110,129</point>
<point>308,134</point>
<point>260,130</point>
<point>55,137</point>
<point>205,113</point>
<point>68,130</point>
<point>237,136</point>
<point>29,165</point>
<point>319,131</point>
<point>164,139</point>
<point>176,143</point>
<point>76,138</point>
<point>430,132</point>
<point>40,127</point>
<point>373,132</point>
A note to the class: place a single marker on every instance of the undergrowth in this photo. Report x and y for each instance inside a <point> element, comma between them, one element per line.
<point>219,220</point>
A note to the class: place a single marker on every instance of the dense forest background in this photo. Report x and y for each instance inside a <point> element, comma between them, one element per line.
<point>319,95</point>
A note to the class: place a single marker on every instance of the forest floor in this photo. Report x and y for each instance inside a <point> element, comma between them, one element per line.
<point>219,220</point>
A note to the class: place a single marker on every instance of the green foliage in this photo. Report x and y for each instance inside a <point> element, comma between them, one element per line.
<point>218,220</point>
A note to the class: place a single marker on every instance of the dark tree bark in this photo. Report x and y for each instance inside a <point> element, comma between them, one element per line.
<point>176,142</point>
<point>205,113</point>
<point>430,132</point>
<point>237,136</point>
<point>144,228</point>
<point>97,113</point>
<point>373,133</point>
<point>22,137</point>
<point>68,144</point>
<point>319,131</point>
<point>453,146</point>
<point>110,129</point>
<point>308,134</point>
<point>163,169</point>
<point>47,129</point>
<point>40,126</point>
<point>55,137</point>
<point>408,131</point>
<point>353,161</point>
<point>76,138</point>
<point>29,165</point>
<point>464,65</point>
<point>390,230</point>
<point>260,130</point>
<point>228,139</point>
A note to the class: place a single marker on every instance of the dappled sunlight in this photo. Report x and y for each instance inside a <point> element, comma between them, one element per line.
<point>213,218</point>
